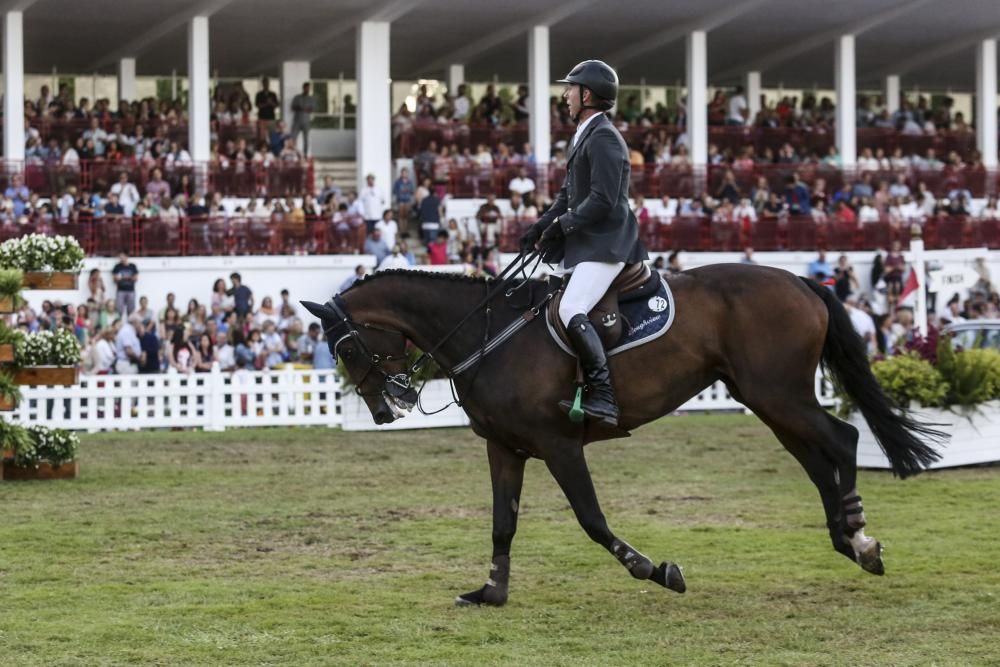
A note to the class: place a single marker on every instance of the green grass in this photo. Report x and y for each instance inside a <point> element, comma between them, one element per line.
<point>317,547</point>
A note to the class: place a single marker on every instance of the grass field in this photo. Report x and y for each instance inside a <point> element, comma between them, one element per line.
<point>317,547</point>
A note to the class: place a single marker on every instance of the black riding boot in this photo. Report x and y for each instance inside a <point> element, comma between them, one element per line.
<point>599,401</point>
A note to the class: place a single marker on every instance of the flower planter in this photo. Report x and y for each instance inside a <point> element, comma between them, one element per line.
<point>44,470</point>
<point>6,352</point>
<point>435,395</point>
<point>974,436</point>
<point>47,375</point>
<point>6,304</point>
<point>7,404</point>
<point>50,280</point>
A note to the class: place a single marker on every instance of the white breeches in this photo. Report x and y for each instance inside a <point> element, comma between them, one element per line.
<point>588,282</point>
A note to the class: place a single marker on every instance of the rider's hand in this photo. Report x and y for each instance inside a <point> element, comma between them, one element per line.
<point>551,243</point>
<point>529,239</point>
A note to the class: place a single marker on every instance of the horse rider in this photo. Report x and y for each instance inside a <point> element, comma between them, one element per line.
<point>590,229</point>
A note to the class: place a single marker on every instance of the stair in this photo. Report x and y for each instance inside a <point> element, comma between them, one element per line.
<point>344,173</point>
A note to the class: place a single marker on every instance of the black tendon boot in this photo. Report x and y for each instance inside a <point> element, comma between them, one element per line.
<point>599,399</point>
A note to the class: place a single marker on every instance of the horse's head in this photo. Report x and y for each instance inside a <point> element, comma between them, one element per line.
<point>375,359</point>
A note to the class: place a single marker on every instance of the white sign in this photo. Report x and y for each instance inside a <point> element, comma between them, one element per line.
<point>953,278</point>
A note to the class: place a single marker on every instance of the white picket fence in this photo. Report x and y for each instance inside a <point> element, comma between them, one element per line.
<point>215,401</point>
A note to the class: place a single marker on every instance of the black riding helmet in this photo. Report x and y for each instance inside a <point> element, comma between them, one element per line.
<point>600,78</point>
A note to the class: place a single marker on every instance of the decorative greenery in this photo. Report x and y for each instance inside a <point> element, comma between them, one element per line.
<point>46,348</point>
<point>9,335</point>
<point>37,252</point>
<point>9,389</point>
<point>10,283</point>
<point>35,444</point>
<point>940,377</point>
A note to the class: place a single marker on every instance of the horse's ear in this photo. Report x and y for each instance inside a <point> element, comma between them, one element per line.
<point>321,311</point>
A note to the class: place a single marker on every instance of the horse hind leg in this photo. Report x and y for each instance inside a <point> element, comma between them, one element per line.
<point>826,449</point>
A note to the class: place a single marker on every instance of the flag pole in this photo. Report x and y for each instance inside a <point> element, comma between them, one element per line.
<point>917,265</point>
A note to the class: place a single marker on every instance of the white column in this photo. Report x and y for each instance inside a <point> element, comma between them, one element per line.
<point>753,96</point>
<point>373,136</point>
<point>294,73</point>
<point>892,90</point>
<point>846,101</point>
<point>986,101</point>
<point>126,80</point>
<point>697,97</point>
<point>199,90</point>
<point>539,120</point>
<point>456,77</point>
<point>13,88</point>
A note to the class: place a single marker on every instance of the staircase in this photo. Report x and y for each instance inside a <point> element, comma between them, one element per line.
<point>344,173</point>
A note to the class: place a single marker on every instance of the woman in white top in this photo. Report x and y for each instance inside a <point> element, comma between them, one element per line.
<point>990,210</point>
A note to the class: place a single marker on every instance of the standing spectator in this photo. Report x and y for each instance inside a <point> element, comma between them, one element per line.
<point>19,194</point>
<point>308,343</point>
<point>388,227</point>
<point>375,245</point>
<point>266,101</point>
<point>738,108</point>
<point>490,219</point>
<point>322,357</point>
<point>128,349</point>
<point>430,212</point>
<point>403,191</point>
<point>372,203</point>
<point>329,190</point>
<point>144,311</point>
<point>359,273</point>
<point>303,106</point>
<point>126,193</point>
<point>846,282</point>
<point>149,345</point>
<point>820,269</point>
<point>461,105</point>
<point>125,274</point>
<point>242,297</point>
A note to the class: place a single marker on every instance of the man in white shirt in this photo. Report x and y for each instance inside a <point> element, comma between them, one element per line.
<point>388,227</point>
<point>738,108</point>
<point>863,323</point>
<point>521,184</point>
<point>372,203</point>
<point>461,104</point>
<point>396,260</point>
<point>128,194</point>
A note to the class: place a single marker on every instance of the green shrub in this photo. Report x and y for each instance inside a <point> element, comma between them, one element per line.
<point>907,377</point>
<point>973,376</point>
<point>10,282</point>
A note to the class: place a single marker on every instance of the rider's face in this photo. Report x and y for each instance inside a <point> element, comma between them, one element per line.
<point>572,96</point>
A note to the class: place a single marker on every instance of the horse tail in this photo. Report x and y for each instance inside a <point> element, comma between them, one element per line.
<point>844,356</point>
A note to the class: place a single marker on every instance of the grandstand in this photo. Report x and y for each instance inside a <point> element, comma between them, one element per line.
<point>247,128</point>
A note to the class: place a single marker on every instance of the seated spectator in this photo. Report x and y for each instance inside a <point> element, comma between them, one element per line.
<point>521,184</point>
<point>774,208</point>
<point>18,194</point>
<point>868,213</point>
<point>266,313</point>
<point>274,349</point>
<point>225,353</point>
<point>991,211</point>
<point>126,193</point>
<point>376,245</point>
<point>819,269</point>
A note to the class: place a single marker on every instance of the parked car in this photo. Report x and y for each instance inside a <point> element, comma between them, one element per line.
<point>975,333</point>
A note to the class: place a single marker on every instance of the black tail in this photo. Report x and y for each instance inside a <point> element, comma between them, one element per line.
<point>844,356</point>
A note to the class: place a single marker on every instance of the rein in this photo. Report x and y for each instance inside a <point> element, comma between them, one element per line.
<point>400,383</point>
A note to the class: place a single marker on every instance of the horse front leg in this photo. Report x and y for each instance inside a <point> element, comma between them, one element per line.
<point>507,475</point>
<point>569,467</point>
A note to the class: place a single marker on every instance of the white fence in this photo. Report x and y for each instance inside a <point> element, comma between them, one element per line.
<point>216,401</point>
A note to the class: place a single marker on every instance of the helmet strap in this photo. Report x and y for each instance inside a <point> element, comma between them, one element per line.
<point>576,118</point>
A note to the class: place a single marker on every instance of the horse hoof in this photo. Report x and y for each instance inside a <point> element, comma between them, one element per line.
<point>669,576</point>
<point>479,598</point>
<point>870,559</point>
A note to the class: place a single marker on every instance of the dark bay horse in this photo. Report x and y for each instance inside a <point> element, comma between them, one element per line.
<point>762,331</point>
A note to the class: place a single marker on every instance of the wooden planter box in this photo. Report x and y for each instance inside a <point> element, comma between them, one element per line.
<point>974,436</point>
<point>47,375</point>
<point>44,471</point>
<point>6,404</point>
<point>6,352</point>
<point>6,304</point>
<point>50,280</point>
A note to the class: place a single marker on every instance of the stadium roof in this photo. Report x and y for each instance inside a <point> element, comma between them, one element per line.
<point>930,42</point>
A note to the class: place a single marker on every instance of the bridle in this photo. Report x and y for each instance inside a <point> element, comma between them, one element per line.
<point>400,385</point>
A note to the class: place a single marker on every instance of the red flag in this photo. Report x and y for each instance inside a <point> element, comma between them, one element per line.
<point>911,285</point>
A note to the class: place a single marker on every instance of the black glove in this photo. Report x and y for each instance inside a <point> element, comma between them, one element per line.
<point>551,243</point>
<point>529,239</point>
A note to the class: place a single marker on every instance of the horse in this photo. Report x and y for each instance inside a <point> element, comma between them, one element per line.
<point>762,331</point>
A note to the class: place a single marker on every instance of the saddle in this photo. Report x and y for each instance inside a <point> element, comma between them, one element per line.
<point>636,281</point>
